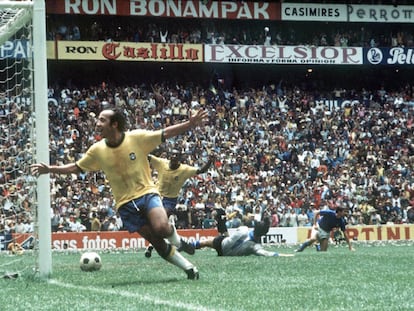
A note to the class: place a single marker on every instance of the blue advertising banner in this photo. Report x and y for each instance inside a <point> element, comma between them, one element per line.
<point>18,49</point>
<point>389,56</point>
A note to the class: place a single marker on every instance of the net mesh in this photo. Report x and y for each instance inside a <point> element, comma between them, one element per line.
<point>17,186</point>
<point>12,20</point>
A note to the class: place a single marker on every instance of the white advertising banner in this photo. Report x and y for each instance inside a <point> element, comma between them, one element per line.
<point>381,13</point>
<point>278,54</point>
<point>314,12</point>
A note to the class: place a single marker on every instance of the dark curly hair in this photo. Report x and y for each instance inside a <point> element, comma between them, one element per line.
<point>118,117</point>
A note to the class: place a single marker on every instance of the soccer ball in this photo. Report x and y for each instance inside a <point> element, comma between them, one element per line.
<point>266,29</point>
<point>90,261</point>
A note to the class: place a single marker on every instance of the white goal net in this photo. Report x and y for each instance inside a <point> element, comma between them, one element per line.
<point>19,114</point>
<point>13,19</point>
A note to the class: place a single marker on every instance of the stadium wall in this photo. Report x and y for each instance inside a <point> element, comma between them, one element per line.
<point>276,235</point>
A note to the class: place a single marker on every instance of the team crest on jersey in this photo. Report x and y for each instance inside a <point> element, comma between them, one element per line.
<point>132,156</point>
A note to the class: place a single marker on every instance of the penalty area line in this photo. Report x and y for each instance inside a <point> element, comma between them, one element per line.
<point>126,294</point>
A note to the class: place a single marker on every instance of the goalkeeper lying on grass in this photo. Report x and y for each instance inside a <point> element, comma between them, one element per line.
<point>242,242</point>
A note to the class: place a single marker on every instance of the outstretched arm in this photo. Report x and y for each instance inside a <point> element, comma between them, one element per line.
<point>43,168</point>
<point>263,252</point>
<point>193,121</point>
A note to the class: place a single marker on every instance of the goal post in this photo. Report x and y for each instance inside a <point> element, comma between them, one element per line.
<point>24,84</point>
<point>42,136</point>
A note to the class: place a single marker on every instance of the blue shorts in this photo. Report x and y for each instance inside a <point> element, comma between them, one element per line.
<point>169,205</point>
<point>134,213</point>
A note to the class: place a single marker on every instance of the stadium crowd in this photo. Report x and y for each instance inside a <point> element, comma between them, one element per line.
<point>81,28</point>
<point>279,151</point>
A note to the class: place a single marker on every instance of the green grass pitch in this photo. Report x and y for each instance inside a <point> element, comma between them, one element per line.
<point>376,277</point>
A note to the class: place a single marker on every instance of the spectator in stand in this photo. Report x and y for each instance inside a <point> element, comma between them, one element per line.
<point>113,226</point>
<point>267,37</point>
<point>274,218</point>
<point>374,217</point>
<point>74,225</point>
<point>19,226</point>
<point>283,217</point>
<point>252,34</point>
<point>293,218</point>
<point>95,222</point>
<point>55,220</point>
<point>373,121</point>
<point>75,34</point>
<point>164,36</point>
<point>303,218</point>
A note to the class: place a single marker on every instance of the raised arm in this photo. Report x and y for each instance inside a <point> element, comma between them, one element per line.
<point>193,121</point>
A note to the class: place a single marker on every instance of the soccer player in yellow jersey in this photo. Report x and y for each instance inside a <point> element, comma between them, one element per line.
<point>172,175</point>
<point>122,156</point>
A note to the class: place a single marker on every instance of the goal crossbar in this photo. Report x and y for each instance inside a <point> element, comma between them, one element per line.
<point>19,18</point>
<point>16,4</point>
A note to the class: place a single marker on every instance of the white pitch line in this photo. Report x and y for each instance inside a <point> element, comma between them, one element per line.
<point>143,298</point>
<point>10,262</point>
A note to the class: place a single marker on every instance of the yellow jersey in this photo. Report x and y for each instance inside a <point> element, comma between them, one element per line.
<point>170,181</point>
<point>126,166</point>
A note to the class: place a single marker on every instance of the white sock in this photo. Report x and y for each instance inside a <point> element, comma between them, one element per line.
<point>174,238</point>
<point>171,220</point>
<point>178,260</point>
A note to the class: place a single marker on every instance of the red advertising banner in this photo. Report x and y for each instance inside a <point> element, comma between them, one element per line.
<point>242,10</point>
<point>277,54</point>
<point>288,235</point>
<point>109,239</point>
